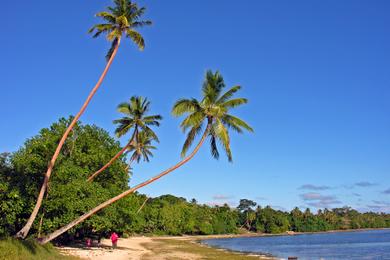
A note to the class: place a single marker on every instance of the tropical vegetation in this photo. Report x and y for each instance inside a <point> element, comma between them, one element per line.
<point>70,195</point>
<point>213,108</point>
<point>69,205</point>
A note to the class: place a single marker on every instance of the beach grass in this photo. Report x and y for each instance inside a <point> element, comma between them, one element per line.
<point>189,249</point>
<point>29,250</point>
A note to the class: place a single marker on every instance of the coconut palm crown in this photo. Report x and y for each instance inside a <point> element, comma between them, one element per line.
<point>136,118</point>
<point>142,149</point>
<point>122,19</point>
<point>212,111</point>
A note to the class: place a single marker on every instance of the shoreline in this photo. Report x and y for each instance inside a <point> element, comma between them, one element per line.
<point>270,256</point>
<point>176,247</point>
<point>253,234</point>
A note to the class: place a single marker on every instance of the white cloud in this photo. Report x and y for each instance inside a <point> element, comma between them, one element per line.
<point>313,187</point>
<point>318,200</point>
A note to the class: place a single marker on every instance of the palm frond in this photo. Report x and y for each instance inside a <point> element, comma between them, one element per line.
<point>144,105</point>
<point>236,123</point>
<point>185,106</point>
<point>109,17</point>
<point>190,138</point>
<point>213,147</point>
<point>150,132</point>
<point>139,24</point>
<point>193,120</point>
<point>136,37</point>
<point>125,108</point>
<point>222,134</point>
<point>124,126</point>
<point>103,27</point>
<point>212,87</point>
<point>228,94</point>
<point>134,12</point>
<point>152,120</point>
<point>234,102</point>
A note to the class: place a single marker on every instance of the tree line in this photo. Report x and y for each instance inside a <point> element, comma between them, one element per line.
<point>70,194</point>
<point>269,220</point>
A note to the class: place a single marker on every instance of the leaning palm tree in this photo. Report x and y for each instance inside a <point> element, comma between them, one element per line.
<point>122,19</point>
<point>209,115</point>
<point>135,119</point>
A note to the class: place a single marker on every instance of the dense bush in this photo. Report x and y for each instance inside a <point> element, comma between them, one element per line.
<point>170,215</point>
<point>69,194</point>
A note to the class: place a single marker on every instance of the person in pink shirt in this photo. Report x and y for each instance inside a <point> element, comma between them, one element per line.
<point>88,242</point>
<point>114,239</point>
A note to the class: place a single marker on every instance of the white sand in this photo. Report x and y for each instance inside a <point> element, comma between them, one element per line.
<point>129,248</point>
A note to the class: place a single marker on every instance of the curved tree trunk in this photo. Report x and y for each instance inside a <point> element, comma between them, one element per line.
<point>60,231</point>
<point>90,178</point>
<point>24,231</point>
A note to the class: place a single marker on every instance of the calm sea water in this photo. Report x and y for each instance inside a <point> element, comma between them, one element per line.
<point>373,244</point>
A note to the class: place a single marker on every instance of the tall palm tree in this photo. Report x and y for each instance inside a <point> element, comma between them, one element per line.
<point>210,114</point>
<point>135,119</point>
<point>212,110</point>
<point>122,19</point>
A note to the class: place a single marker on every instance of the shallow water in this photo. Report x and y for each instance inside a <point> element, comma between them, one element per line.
<point>372,244</point>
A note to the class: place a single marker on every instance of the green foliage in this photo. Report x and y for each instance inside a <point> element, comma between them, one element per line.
<point>29,250</point>
<point>122,19</point>
<point>213,109</point>
<point>171,215</point>
<point>11,200</point>
<point>69,194</point>
<point>268,220</point>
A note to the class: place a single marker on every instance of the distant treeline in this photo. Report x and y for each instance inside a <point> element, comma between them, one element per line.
<point>70,195</point>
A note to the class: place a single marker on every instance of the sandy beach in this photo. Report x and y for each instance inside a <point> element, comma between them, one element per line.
<point>128,248</point>
<point>159,248</point>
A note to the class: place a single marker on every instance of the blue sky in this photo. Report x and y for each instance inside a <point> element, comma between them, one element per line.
<point>316,74</point>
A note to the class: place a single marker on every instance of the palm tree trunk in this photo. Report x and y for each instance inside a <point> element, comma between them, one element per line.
<point>143,205</point>
<point>134,136</point>
<point>24,231</point>
<point>90,178</point>
<point>60,231</point>
<point>40,225</point>
<point>43,214</point>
